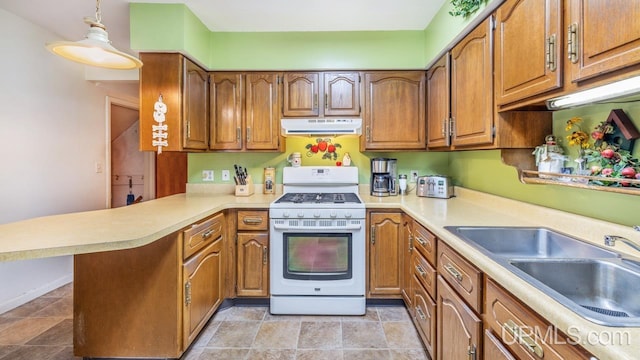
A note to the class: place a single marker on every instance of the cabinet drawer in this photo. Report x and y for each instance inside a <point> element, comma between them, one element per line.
<point>253,220</point>
<point>465,278</point>
<point>522,331</point>
<point>424,272</point>
<point>202,234</point>
<point>425,317</point>
<point>494,349</point>
<point>425,242</point>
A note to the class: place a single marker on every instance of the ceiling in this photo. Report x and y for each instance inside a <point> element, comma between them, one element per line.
<point>65,18</point>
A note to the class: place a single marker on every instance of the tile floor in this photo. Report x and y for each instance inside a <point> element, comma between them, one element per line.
<point>42,329</point>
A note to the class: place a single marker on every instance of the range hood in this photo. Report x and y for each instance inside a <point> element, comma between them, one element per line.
<point>324,127</point>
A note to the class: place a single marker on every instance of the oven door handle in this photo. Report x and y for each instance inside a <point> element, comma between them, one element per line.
<point>319,229</point>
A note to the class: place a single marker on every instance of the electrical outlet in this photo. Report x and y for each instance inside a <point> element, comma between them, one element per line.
<point>207,175</point>
<point>414,175</point>
<point>226,176</point>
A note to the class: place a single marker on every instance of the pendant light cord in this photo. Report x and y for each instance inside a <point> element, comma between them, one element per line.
<point>98,14</point>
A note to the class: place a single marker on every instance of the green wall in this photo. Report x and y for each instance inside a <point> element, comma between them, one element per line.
<point>173,28</point>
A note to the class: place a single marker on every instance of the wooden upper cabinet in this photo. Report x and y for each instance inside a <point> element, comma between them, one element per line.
<point>438,104</point>
<point>472,88</point>
<point>226,104</point>
<point>312,94</point>
<point>184,88</point>
<point>607,36</point>
<point>528,49</point>
<point>196,107</point>
<point>302,91</point>
<point>262,116</point>
<point>394,111</point>
<point>342,94</point>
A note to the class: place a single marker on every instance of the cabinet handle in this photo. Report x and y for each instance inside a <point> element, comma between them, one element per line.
<point>523,338</point>
<point>472,352</point>
<point>444,127</point>
<point>248,134</point>
<point>453,272</point>
<point>420,313</point>
<point>207,234</point>
<point>188,129</point>
<point>252,221</point>
<point>238,134</point>
<point>551,52</point>
<point>326,101</point>
<point>264,255</point>
<point>315,101</point>
<point>421,241</point>
<point>410,243</point>
<point>187,293</point>
<point>572,43</point>
<point>452,122</point>
<point>421,271</point>
<point>368,133</point>
<point>373,235</point>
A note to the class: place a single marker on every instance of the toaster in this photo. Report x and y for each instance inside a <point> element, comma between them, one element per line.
<point>435,186</point>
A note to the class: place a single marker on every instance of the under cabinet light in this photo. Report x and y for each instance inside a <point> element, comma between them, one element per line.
<point>600,93</point>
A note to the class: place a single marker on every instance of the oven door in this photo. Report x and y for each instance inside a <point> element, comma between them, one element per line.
<point>318,261</point>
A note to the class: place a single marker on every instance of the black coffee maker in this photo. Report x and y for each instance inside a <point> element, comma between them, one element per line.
<point>384,177</point>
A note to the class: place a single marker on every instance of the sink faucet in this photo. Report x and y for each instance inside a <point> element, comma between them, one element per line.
<point>610,240</point>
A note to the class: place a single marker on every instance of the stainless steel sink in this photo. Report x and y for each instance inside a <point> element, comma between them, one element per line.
<point>603,291</point>
<point>529,242</point>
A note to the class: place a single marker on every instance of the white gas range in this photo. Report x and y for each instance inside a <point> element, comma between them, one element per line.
<point>317,241</point>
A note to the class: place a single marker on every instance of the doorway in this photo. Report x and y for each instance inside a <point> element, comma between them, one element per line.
<point>131,172</point>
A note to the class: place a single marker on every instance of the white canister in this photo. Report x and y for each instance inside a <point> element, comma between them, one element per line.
<point>552,163</point>
<point>295,159</point>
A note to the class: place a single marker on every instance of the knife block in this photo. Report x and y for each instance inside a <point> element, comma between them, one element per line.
<point>245,190</point>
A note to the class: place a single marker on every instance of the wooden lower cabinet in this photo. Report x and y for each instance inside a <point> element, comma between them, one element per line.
<point>494,349</point>
<point>459,330</point>
<point>424,316</point>
<point>252,249</point>
<point>150,301</point>
<point>407,250</point>
<point>385,254</point>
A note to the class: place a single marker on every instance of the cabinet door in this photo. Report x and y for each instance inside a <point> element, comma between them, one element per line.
<point>608,36</point>
<point>196,107</point>
<point>202,289</point>
<point>253,264</point>
<point>494,349</point>
<point>528,53</point>
<point>262,112</point>
<point>424,316</point>
<point>459,329</point>
<point>472,88</point>
<point>341,94</point>
<point>407,250</point>
<point>438,104</point>
<point>394,115</point>
<point>385,254</point>
<point>226,101</point>
<point>301,91</point>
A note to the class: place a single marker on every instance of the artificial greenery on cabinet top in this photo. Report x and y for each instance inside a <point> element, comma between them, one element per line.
<point>465,8</point>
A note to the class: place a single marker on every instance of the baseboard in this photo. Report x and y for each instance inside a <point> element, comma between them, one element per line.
<point>35,293</point>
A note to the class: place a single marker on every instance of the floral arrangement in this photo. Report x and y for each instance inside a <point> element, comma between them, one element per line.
<point>606,160</point>
<point>325,147</point>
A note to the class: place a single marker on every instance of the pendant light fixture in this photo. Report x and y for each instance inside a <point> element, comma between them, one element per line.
<point>95,49</point>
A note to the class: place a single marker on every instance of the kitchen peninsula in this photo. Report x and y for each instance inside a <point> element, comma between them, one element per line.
<point>144,223</point>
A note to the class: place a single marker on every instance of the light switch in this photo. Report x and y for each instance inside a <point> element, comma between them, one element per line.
<point>226,176</point>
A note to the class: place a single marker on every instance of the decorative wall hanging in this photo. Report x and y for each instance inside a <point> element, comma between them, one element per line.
<point>159,134</point>
<point>324,147</point>
<point>465,8</point>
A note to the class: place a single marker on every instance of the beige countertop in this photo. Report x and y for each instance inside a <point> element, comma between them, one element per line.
<point>143,223</point>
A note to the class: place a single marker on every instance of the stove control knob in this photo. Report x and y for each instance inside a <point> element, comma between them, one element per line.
<point>316,214</point>
<point>285,214</point>
<point>347,215</point>
<point>333,214</point>
<point>300,214</point>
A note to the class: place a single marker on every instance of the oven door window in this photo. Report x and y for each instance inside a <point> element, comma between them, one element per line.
<point>317,256</point>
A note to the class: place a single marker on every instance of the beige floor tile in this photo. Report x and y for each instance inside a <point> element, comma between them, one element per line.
<point>30,308</point>
<point>7,349</point>
<point>26,329</point>
<point>234,334</point>
<point>277,335</point>
<point>401,334</point>
<point>410,354</point>
<point>192,354</point>
<point>60,334</point>
<point>269,317</point>
<point>370,315</point>
<point>362,335</point>
<point>393,313</point>
<point>272,354</point>
<point>7,321</point>
<point>65,354</point>
<point>220,354</point>
<point>63,307</point>
<point>34,352</point>
<point>318,354</point>
<point>382,354</point>
<point>62,291</point>
<point>206,334</point>
<point>240,313</point>
<point>320,335</point>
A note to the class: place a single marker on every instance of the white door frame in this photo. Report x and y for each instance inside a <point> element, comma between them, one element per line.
<point>149,191</point>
